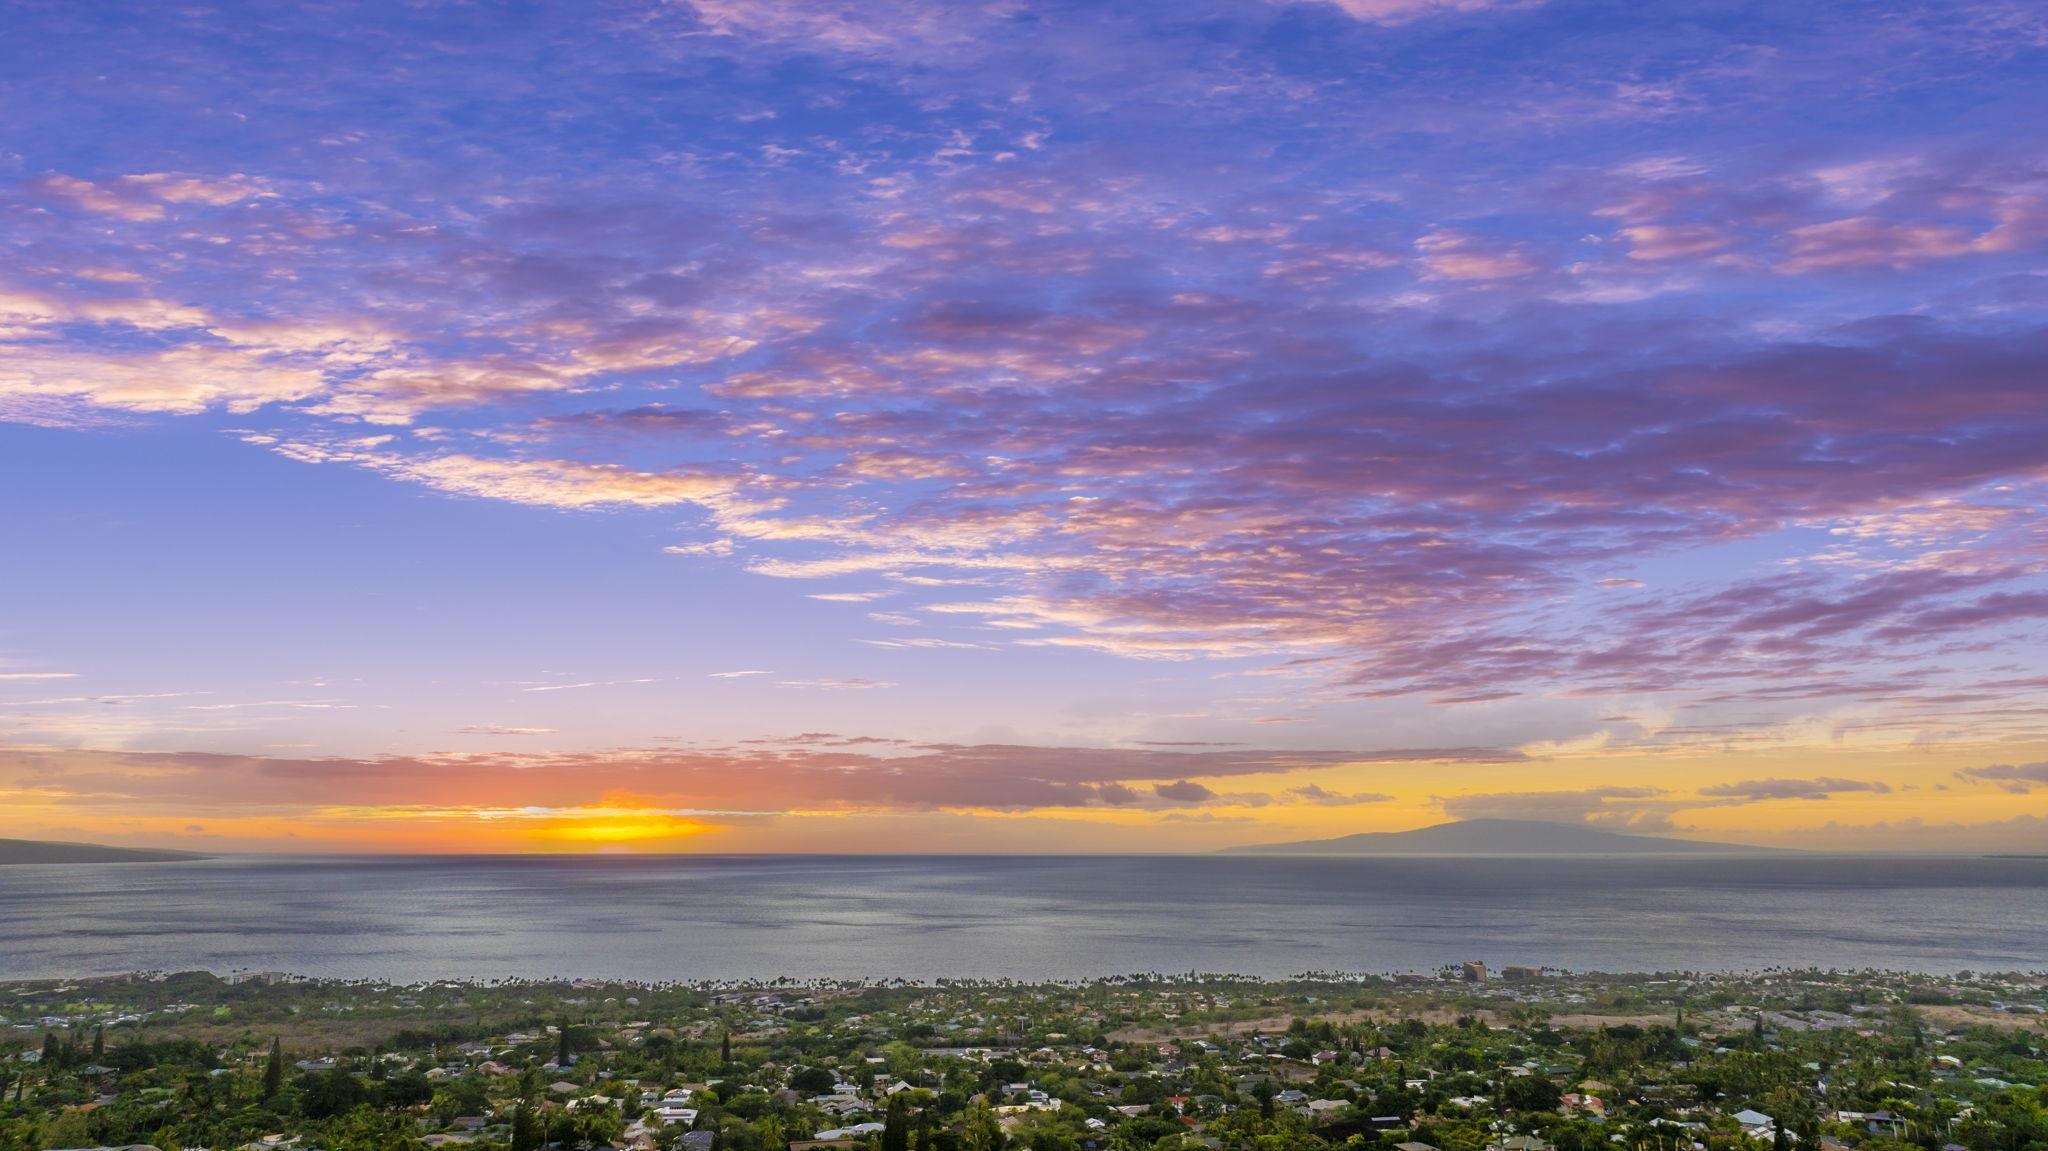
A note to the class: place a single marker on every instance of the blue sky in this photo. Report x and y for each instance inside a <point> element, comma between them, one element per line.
<point>1361,412</point>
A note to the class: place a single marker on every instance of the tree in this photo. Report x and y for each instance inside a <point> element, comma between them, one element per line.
<point>406,1089</point>
<point>1794,1113</point>
<point>984,1132</point>
<point>812,1081</point>
<point>2008,1121</point>
<point>99,1042</point>
<point>599,1127</point>
<point>1531,1093</point>
<point>273,1071</point>
<point>326,1094</point>
<point>526,1129</point>
<point>725,1047</point>
<point>71,1128</point>
<point>562,1045</point>
<point>366,1129</point>
<point>896,1125</point>
<point>53,1052</point>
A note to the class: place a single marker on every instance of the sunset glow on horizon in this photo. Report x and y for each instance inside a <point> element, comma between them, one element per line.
<point>1019,426</point>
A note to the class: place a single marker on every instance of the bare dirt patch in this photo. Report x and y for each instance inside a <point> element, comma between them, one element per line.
<point>1274,1024</point>
<point>1956,1015</point>
<point>1584,1022</point>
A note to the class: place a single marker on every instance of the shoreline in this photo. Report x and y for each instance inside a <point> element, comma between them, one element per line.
<point>1350,979</point>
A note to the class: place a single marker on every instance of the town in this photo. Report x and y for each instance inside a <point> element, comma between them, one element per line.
<point>1464,1059</point>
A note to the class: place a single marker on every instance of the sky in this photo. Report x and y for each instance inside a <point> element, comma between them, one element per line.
<point>1022,425</point>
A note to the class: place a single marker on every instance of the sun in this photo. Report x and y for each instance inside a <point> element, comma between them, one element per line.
<point>619,831</point>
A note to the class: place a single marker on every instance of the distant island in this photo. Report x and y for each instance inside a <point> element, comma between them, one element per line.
<point>40,851</point>
<point>1499,837</point>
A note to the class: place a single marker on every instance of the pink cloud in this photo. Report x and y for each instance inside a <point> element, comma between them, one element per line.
<point>1673,241</point>
<point>141,198</point>
<point>1450,255</point>
<point>114,199</point>
<point>804,774</point>
<point>1405,11</point>
<point>1864,241</point>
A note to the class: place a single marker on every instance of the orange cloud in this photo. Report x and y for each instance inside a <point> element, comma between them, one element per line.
<point>779,794</point>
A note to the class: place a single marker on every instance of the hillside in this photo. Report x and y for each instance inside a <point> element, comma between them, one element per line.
<point>39,851</point>
<point>1497,837</point>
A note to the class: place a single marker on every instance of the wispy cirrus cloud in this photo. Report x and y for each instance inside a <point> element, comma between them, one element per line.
<point>812,772</point>
<point>586,684</point>
<point>1404,11</point>
<point>847,683</point>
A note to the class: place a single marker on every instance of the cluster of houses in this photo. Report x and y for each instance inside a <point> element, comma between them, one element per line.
<point>1197,1066</point>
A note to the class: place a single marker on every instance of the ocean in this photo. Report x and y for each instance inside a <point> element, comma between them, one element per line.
<point>1031,918</point>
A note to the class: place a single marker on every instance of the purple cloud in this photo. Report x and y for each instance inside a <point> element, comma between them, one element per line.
<point>2020,779</point>
<point>1311,793</point>
<point>1173,335</point>
<point>1756,790</point>
<point>1182,791</point>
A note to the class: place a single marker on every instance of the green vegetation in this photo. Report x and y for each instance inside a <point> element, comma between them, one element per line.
<point>1787,1060</point>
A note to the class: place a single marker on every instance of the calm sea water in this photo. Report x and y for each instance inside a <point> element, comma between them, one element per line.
<point>663,918</point>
